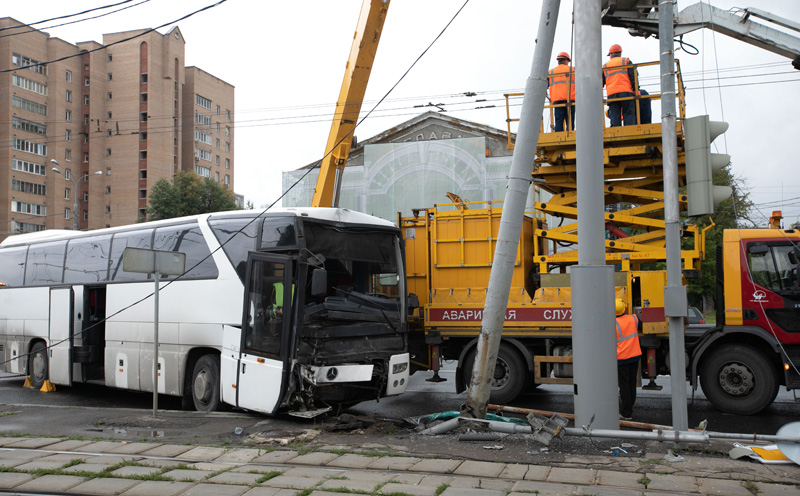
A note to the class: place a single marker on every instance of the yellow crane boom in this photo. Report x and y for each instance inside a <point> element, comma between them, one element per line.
<point>348,106</point>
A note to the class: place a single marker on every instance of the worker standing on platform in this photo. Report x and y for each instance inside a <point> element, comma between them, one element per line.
<point>561,81</point>
<point>628,354</point>
<point>619,82</point>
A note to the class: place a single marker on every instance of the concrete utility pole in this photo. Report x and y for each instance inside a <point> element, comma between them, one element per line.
<point>675,306</point>
<point>519,182</point>
<point>593,332</point>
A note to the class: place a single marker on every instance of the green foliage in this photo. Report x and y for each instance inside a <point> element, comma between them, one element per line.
<point>188,194</point>
<point>732,213</point>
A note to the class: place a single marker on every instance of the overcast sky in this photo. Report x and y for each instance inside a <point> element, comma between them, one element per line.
<point>286,60</point>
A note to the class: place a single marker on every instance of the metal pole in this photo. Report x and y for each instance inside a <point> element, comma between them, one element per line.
<point>155,347</point>
<point>595,385</point>
<point>519,182</point>
<point>675,306</point>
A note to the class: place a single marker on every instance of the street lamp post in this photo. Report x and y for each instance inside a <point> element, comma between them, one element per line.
<point>74,190</point>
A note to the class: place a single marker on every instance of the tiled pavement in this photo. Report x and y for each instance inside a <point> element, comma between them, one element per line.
<point>144,469</point>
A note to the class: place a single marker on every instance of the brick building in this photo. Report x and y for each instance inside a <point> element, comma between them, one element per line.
<point>113,119</point>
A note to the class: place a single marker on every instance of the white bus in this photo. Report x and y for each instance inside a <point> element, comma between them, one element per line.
<point>291,310</point>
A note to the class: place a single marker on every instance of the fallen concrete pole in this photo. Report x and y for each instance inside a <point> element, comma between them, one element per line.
<point>623,423</point>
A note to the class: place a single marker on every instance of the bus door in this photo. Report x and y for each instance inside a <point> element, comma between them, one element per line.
<point>61,335</point>
<point>263,358</point>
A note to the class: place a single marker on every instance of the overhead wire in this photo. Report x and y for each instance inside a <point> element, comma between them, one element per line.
<point>67,16</point>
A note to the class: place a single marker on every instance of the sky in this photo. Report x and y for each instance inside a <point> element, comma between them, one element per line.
<point>286,61</point>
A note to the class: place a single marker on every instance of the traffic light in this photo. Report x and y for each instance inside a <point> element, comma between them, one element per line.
<point>703,196</point>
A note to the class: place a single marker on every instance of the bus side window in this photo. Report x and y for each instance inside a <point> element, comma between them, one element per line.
<point>265,327</point>
<point>12,266</point>
<point>45,263</point>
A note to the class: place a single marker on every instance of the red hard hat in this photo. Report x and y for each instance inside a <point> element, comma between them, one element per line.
<point>615,49</point>
<point>563,55</point>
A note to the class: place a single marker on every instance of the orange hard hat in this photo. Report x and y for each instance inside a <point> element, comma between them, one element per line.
<point>563,55</point>
<point>615,49</point>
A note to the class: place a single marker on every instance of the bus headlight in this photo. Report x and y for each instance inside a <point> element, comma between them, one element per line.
<point>399,368</point>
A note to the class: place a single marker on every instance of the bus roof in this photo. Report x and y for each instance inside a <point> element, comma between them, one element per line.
<point>325,214</point>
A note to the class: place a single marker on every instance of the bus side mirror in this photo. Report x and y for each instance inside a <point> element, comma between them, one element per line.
<point>413,302</point>
<point>319,282</point>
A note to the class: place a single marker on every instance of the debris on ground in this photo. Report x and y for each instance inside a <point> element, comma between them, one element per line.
<point>284,437</point>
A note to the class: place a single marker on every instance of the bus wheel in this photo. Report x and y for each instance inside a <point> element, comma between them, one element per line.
<point>205,384</point>
<point>739,379</point>
<point>37,365</point>
<point>510,374</point>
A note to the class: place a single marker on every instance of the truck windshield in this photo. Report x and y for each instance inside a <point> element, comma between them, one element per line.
<point>775,267</point>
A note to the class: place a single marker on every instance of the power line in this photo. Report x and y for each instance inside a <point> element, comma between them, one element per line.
<point>68,15</point>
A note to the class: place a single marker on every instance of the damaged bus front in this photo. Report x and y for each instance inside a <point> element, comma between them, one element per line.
<point>325,311</point>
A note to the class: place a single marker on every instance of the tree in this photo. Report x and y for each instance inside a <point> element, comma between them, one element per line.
<point>732,213</point>
<point>188,194</point>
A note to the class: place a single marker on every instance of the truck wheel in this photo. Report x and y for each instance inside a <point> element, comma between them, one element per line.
<point>38,364</point>
<point>510,374</point>
<point>739,379</point>
<point>205,384</point>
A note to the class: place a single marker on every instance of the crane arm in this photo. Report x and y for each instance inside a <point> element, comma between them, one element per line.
<point>640,17</point>
<point>348,106</point>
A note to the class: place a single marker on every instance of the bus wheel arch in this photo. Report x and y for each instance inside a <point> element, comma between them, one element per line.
<point>38,364</point>
<point>201,390</point>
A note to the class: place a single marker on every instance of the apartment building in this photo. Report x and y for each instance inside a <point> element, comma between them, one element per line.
<point>89,128</point>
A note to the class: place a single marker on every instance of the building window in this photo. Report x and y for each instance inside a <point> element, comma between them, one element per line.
<point>68,115</point>
<point>69,76</point>
<point>227,146</point>
<point>68,155</point>
<point>109,76</point>
<point>86,80</point>
<point>227,163</point>
<point>28,187</point>
<point>217,144</point>
<point>28,208</point>
<point>217,109</point>
<point>216,176</point>
<point>85,67</point>
<point>85,157</point>
<point>142,174</point>
<point>29,85</point>
<point>202,119</point>
<point>68,174</point>
<point>143,97</point>
<point>227,180</point>
<point>29,146</point>
<point>108,190</point>
<point>108,133</point>
<point>108,209</point>
<point>202,137</point>
<point>66,193</point>
<point>142,194</point>
<point>28,126</point>
<point>108,171</point>
<point>85,196</point>
<point>22,103</point>
<point>108,152</point>
<point>67,215</point>
<point>28,167</point>
<point>108,96</point>
<point>69,96</point>
<point>202,154</point>
<point>85,119</point>
<point>85,138</point>
<point>227,130</point>
<point>142,154</point>
<point>217,126</point>
<point>85,215</point>
<point>85,100</point>
<point>143,78</point>
<point>143,117</point>
<point>67,135</point>
<point>202,171</point>
<point>110,58</point>
<point>108,115</point>
<point>216,161</point>
<point>228,114</point>
<point>143,136</point>
<point>202,102</point>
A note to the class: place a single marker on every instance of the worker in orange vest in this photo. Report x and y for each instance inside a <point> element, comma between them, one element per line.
<point>561,81</point>
<point>619,82</point>
<point>628,354</point>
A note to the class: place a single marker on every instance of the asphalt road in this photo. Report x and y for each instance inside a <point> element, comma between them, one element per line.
<point>423,398</point>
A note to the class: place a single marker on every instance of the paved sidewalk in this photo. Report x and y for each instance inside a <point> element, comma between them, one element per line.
<point>62,465</point>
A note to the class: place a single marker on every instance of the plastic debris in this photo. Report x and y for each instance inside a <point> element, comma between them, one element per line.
<point>545,429</point>
<point>672,457</point>
<point>238,431</point>
<point>494,447</point>
<point>767,454</point>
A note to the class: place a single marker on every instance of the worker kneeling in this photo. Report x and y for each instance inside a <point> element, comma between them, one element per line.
<point>628,354</point>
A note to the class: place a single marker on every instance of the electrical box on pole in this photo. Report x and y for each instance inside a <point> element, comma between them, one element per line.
<point>703,196</point>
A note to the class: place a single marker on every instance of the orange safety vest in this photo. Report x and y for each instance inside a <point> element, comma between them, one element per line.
<point>617,80</point>
<point>557,80</point>
<point>628,337</point>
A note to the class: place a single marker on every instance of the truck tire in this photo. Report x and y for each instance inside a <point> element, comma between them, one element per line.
<point>738,379</point>
<point>510,374</point>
